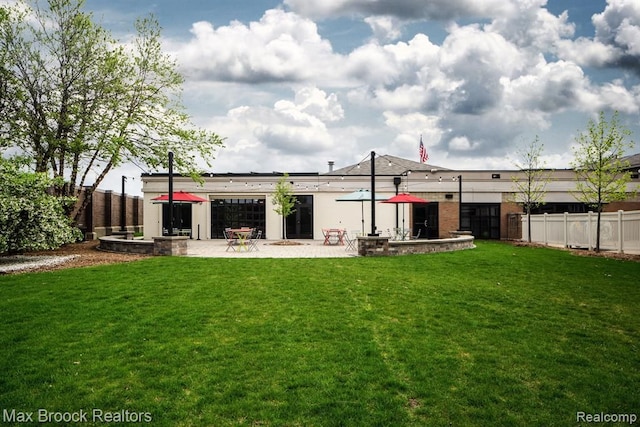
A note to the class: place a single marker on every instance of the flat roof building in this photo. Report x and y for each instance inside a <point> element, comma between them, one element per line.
<point>480,201</point>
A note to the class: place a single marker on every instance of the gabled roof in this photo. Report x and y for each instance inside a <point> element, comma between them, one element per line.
<point>385,165</point>
<point>634,160</point>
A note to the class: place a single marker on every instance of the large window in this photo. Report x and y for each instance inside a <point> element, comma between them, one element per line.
<point>237,213</point>
<point>482,219</point>
<point>560,208</point>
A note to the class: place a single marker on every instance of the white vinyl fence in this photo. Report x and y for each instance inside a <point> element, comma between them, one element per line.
<point>619,231</point>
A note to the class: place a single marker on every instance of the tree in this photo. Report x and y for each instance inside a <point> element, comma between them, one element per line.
<point>602,175</point>
<point>531,190</point>
<point>30,217</point>
<point>79,103</point>
<point>284,201</point>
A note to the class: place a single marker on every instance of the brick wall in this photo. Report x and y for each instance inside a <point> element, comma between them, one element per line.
<point>507,208</point>
<point>448,217</point>
<point>622,206</point>
<point>102,216</point>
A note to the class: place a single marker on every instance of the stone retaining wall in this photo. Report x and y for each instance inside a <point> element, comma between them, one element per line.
<point>130,246</point>
<point>373,246</point>
<point>170,245</point>
<point>165,245</point>
<point>429,246</point>
<point>381,246</point>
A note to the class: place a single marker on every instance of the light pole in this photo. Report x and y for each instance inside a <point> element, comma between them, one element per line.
<point>459,202</point>
<point>123,206</point>
<point>373,194</point>
<point>170,193</point>
<point>397,180</point>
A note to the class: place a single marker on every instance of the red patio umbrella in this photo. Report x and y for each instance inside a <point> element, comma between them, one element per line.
<point>404,198</point>
<point>179,197</point>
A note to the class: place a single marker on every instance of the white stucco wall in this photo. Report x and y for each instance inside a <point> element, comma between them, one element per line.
<point>327,213</point>
<point>478,187</point>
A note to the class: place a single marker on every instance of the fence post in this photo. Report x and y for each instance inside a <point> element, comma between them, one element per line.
<point>589,238</point>
<point>620,231</point>
<point>566,229</point>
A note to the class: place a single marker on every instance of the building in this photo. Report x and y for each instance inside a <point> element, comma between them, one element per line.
<point>245,199</point>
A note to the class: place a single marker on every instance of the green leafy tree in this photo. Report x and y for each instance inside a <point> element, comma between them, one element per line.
<point>530,187</point>
<point>602,175</point>
<point>284,201</point>
<point>80,103</point>
<point>30,217</point>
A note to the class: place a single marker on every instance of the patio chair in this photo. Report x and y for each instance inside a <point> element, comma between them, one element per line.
<point>350,241</point>
<point>417,236</point>
<point>253,241</point>
<point>231,240</point>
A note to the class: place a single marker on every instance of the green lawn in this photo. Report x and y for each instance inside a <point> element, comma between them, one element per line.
<point>495,336</point>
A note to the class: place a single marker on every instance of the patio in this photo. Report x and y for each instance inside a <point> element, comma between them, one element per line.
<point>217,248</point>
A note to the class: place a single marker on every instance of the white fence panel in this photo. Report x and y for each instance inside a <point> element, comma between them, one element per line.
<point>630,235</point>
<point>619,231</point>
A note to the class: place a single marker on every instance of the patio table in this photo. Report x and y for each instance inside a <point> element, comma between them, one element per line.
<point>242,234</point>
<point>333,236</point>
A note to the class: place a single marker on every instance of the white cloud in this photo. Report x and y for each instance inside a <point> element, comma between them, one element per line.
<point>401,75</point>
<point>529,25</point>
<point>290,135</point>
<point>613,96</point>
<point>547,87</point>
<point>385,28</point>
<point>280,47</point>
<point>613,23</point>
<point>409,128</point>
<point>461,143</point>
<point>317,103</point>
<point>616,41</point>
<point>587,52</point>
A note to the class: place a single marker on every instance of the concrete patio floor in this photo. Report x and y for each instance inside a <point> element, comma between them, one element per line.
<point>266,249</point>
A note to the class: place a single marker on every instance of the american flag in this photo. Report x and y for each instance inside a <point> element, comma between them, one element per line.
<point>423,152</point>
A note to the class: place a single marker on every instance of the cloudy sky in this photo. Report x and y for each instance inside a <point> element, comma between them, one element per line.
<point>292,84</point>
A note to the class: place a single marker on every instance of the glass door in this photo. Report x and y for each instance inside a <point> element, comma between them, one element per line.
<point>181,219</point>
<point>300,223</point>
<point>425,220</point>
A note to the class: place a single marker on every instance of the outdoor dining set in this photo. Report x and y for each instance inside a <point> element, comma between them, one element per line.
<point>338,236</point>
<point>239,239</point>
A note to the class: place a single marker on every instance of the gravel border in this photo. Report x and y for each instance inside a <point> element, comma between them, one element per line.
<point>22,262</point>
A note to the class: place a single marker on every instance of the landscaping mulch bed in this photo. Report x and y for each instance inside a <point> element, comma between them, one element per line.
<point>82,254</point>
<point>584,252</point>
